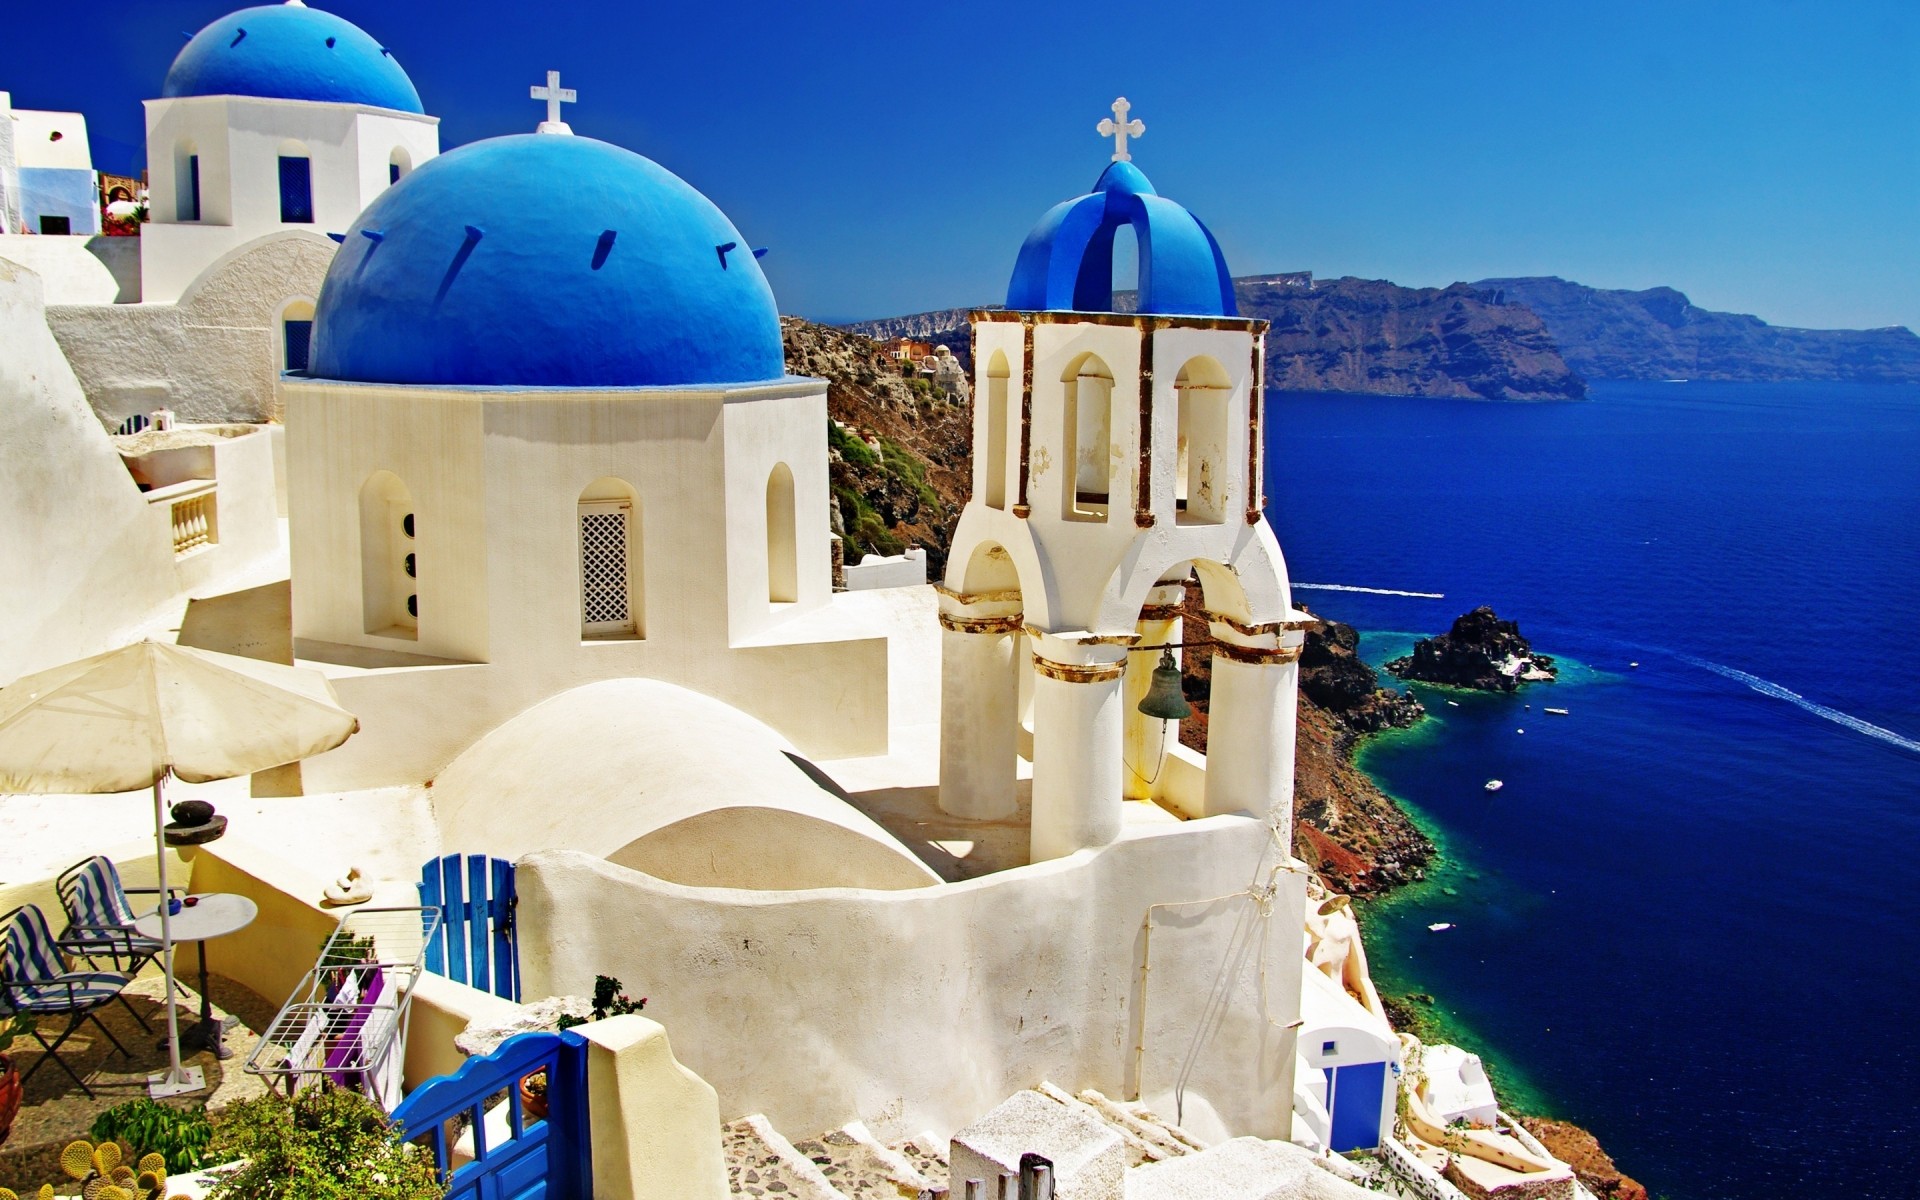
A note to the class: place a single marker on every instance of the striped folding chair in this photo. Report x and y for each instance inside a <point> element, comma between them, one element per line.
<point>34,980</point>
<point>100,917</point>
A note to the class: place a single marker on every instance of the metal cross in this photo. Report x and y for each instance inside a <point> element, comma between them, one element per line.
<point>1119,129</point>
<point>555,96</point>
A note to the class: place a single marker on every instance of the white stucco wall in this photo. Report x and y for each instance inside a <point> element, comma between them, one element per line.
<point>668,781</point>
<point>213,356</point>
<point>239,141</point>
<point>72,270</point>
<point>759,433</point>
<point>80,564</point>
<point>35,145</point>
<point>9,170</point>
<point>922,1009</point>
<point>496,477</point>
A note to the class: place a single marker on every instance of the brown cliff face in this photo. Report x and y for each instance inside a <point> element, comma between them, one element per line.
<point>900,458</point>
<point>1344,827</point>
<point>1581,1151</point>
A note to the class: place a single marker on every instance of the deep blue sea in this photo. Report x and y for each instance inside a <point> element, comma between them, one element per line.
<point>1691,919</point>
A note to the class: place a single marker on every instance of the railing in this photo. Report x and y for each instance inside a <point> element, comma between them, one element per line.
<point>192,512</point>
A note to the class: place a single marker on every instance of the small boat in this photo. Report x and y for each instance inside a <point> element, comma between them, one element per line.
<point>1633,664</point>
<point>1454,703</point>
<point>1519,731</point>
<point>1440,926</point>
<point>1558,712</point>
<point>1494,785</point>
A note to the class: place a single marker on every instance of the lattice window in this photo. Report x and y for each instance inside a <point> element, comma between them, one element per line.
<point>604,607</point>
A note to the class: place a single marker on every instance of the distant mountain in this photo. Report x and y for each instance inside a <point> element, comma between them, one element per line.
<point>1659,334</point>
<point>1360,335</point>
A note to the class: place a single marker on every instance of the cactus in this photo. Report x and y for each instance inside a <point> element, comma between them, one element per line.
<point>104,1175</point>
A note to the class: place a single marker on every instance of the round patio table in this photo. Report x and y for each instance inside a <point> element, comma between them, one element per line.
<point>213,915</point>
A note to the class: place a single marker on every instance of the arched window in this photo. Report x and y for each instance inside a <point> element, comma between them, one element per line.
<point>1087,454</point>
<point>186,182</point>
<point>995,490</point>
<point>296,335</point>
<point>296,184</point>
<point>398,164</point>
<point>389,558</point>
<point>612,600</point>
<point>1202,470</point>
<point>783,557</point>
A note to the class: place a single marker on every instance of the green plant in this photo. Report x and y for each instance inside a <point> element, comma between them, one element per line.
<point>852,450</point>
<point>326,1143</point>
<point>179,1135</point>
<point>16,1026</point>
<point>346,951</point>
<point>608,1001</point>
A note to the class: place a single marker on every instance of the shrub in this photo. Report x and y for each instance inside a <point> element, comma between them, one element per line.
<point>179,1135</point>
<point>326,1143</point>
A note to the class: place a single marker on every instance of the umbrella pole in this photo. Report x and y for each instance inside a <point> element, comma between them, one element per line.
<point>178,1079</point>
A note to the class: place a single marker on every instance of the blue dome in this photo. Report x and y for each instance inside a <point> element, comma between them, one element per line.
<point>545,260</point>
<point>290,52</point>
<point>1067,261</point>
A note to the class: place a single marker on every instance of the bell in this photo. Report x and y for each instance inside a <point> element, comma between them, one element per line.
<point>1164,698</point>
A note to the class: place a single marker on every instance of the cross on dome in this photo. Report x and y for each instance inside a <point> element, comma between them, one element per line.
<point>1120,129</point>
<point>555,96</point>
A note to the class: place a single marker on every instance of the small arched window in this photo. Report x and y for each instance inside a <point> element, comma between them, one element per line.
<point>612,598</point>
<point>1087,439</point>
<point>296,336</point>
<point>783,557</point>
<point>1202,474</point>
<point>389,558</point>
<point>398,164</point>
<point>296,184</point>
<point>997,416</point>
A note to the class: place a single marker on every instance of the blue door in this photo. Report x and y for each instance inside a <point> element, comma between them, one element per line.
<point>541,1158</point>
<point>475,942</point>
<point>1355,1096</point>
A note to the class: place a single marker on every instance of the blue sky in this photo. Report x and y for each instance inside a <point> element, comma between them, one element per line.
<point>1763,157</point>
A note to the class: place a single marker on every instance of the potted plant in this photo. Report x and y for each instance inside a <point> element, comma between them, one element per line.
<point>15,1026</point>
<point>533,1095</point>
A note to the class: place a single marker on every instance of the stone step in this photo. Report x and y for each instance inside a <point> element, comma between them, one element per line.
<point>1142,1123</point>
<point>856,1163</point>
<point>761,1163</point>
<point>1139,1150</point>
<point>928,1155</point>
<point>1242,1169</point>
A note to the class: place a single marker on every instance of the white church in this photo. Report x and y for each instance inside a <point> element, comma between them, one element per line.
<point>908,862</point>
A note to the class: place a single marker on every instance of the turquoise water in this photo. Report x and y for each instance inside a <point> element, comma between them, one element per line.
<point>1688,918</point>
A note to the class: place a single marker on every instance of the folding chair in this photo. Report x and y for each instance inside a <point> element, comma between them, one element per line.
<point>34,980</point>
<point>100,920</point>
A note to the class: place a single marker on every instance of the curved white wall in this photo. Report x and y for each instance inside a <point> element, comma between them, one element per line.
<point>922,1009</point>
<point>666,780</point>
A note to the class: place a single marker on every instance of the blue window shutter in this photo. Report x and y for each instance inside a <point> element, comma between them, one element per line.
<point>299,336</point>
<point>296,191</point>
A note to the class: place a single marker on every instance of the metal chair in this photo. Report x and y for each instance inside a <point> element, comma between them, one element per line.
<point>100,920</point>
<point>34,980</point>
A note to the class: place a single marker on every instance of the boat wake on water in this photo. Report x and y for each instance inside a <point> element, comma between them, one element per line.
<point>1344,587</point>
<point>1767,688</point>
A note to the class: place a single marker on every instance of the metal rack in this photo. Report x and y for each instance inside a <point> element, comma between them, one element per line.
<point>347,1020</point>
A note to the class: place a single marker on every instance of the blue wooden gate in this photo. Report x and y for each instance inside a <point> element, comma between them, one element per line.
<point>522,1157</point>
<point>475,944</point>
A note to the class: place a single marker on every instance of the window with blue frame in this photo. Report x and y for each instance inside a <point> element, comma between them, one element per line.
<point>296,191</point>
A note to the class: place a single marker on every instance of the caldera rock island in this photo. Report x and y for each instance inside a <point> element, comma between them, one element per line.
<point>1481,652</point>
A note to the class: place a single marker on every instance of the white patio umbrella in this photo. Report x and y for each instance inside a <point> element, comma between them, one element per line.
<point>130,717</point>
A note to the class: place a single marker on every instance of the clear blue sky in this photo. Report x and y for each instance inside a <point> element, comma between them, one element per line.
<point>1763,157</point>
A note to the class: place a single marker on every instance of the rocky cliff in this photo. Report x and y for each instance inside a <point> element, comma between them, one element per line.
<point>1361,335</point>
<point>1659,334</point>
<point>898,452</point>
